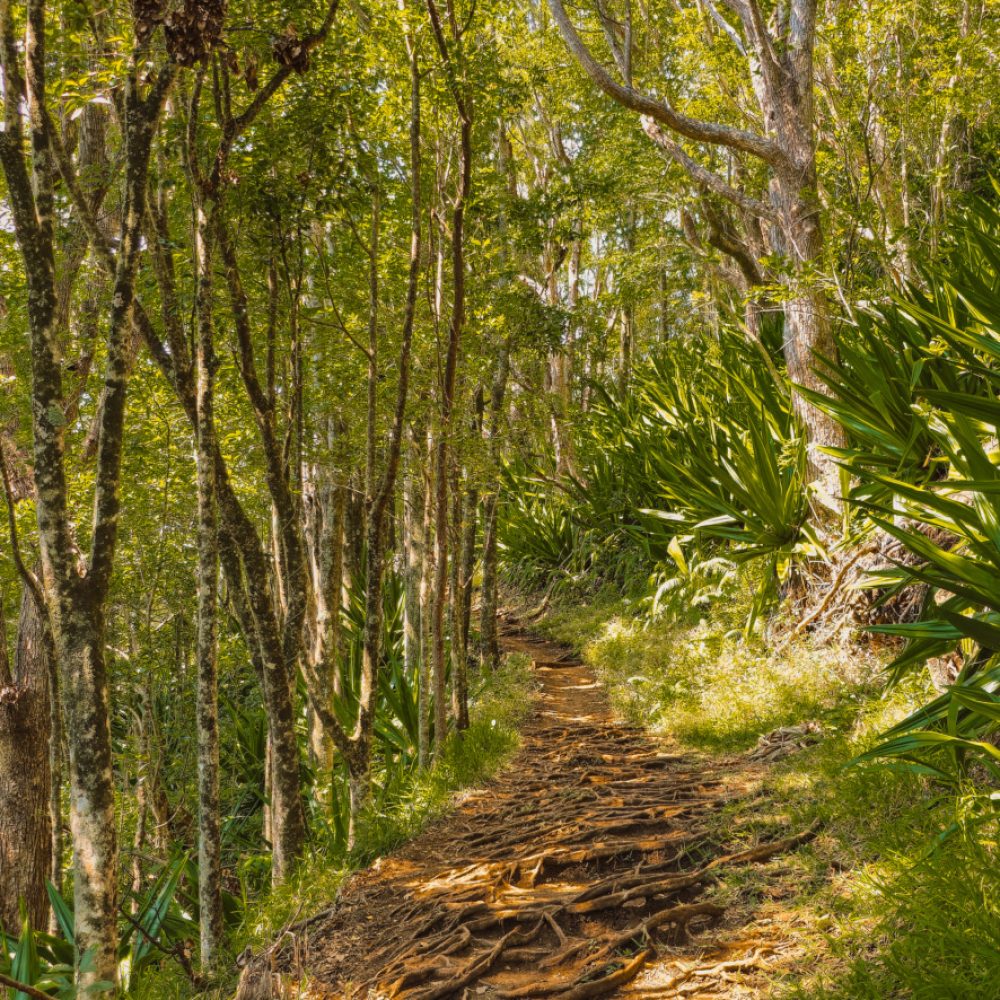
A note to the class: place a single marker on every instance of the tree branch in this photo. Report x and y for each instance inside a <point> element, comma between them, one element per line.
<point>770,66</point>
<point>142,116</point>
<point>723,238</point>
<point>708,179</point>
<point>241,316</point>
<point>609,26</point>
<point>734,35</point>
<point>661,111</point>
<point>243,120</point>
<point>29,579</point>
<point>24,988</point>
<point>449,66</point>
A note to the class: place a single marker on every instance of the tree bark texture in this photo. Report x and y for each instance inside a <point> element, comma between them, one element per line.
<point>25,776</point>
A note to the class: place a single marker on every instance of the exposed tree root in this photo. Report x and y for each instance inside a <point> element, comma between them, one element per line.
<point>563,880</point>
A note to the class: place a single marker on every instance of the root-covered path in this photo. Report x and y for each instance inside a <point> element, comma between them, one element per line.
<point>566,877</point>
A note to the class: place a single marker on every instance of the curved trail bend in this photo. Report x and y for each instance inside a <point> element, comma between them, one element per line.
<point>583,870</point>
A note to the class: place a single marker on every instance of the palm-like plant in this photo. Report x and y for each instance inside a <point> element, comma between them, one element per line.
<point>948,518</point>
<point>706,444</point>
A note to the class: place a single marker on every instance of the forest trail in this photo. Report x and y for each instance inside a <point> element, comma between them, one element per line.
<point>583,870</point>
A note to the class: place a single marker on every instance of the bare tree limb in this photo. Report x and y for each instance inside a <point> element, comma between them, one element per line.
<point>610,27</point>
<point>734,35</point>
<point>708,179</point>
<point>659,110</point>
<point>24,988</point>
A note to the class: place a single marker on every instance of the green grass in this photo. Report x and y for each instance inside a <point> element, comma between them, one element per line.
<point>704,683</point>
<point>875,911</point>
<point>500,704</point>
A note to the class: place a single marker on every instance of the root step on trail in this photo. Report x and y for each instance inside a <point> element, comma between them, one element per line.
<point>564,878</point>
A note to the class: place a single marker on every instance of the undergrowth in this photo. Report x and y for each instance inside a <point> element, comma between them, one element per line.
<point>880,904</point>
<point>496,713</point>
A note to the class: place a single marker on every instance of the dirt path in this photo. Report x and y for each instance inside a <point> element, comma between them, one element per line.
<point>575,874</point>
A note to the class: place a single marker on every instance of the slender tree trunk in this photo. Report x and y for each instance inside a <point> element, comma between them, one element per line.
<point>279,633</point>
<point>459,663</point>
<point>440,591</point>
<point>267,826</point>
<point>334,547</point>
<point>382,496</point>
<point>56,755</point>
<point>324,652</point>
<point>489,641</point>
<point>451,54</point>
<point>288,828</point>
<point>209,821</point>
<point>427,574</point>
<point>469,538</point>
<point>488,638</point>
<point>354,532</point>
<point>413,559</point>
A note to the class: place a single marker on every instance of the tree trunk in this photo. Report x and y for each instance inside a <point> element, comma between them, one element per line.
<point>86,707</point>
<point>382,498</point>
<point>489,643</point>
<point>808,338</point>
<point>459,663</point>
<point>323,677</point>
<point>456,326</point>
<point>488,638</point>
<point>440,591</point>
<point>56,754</point>
<point>427,574</point>
<point>209,820</point>
<point>469,539</point>
<point>354,533</point>
<point>413,559</point>
<point>25,786</point>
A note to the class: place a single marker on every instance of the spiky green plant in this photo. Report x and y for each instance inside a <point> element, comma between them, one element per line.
<point>949,518</point>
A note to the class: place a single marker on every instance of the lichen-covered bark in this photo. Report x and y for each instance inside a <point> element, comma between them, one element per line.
<point>76,595</point>
<point>450,52</point>
<point>25,780</point>
<point>489,642</point>
<point>209,821</point>
<point>413,560</point>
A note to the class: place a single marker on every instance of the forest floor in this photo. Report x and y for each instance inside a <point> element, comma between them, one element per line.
<point>588,867</point>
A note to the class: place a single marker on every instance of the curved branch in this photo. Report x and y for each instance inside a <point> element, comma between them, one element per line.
<point>660,111</point>
<point>722,237</point>
<point>27,577</point>
<point>242,121</point>
<point>708,179</point>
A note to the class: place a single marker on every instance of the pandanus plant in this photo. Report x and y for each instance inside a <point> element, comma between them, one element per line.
<point>153,928</point>
<point>927,460</point>
<point>705,447</point>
